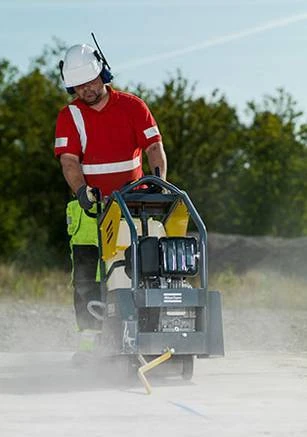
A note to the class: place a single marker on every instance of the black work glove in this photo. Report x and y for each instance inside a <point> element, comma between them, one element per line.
<point>85,197</point>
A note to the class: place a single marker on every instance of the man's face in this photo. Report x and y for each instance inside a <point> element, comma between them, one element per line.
<point>90,92</point>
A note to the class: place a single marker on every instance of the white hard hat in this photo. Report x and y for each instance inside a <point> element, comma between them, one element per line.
<point>80,65</point>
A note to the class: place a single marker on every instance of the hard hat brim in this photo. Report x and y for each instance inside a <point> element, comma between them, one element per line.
<point>81,75</point>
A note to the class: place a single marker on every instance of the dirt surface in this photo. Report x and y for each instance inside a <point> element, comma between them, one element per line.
<point>258,389</point>
<point>37,327</point>
<point>244,394</point>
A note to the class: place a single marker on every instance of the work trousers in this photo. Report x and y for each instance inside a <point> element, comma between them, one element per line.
<point>84,255</point>
<point>86,288</point>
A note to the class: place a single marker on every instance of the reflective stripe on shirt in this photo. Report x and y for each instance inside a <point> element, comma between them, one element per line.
<point>79,122</point>
<point>151,132</point>
<point>113,167</point>
<point>61,142</point>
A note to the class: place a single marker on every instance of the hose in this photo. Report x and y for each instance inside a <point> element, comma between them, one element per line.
<point>93,312</point>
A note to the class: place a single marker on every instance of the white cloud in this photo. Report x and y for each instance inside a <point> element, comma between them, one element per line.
<point>224,39</point>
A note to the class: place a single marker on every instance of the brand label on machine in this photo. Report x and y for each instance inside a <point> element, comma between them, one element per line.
<point>172,297</point>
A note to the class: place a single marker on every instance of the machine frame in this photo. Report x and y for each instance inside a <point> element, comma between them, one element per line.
<point>121,331</point>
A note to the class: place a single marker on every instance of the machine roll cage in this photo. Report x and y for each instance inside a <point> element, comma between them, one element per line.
<point>162,313</point>
<point>135,201</point>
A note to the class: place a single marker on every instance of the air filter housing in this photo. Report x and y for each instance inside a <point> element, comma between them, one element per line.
<point>178,256</point>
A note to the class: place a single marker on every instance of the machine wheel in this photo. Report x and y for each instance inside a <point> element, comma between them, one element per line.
<point>187,367</point>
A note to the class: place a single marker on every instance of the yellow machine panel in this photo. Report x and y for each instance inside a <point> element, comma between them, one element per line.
<point>176,224</point>
<point>109,231</point>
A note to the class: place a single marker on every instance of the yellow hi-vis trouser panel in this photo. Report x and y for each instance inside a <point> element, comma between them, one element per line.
<point>81,228</point>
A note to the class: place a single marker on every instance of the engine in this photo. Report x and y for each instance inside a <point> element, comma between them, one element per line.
<point>166,263</point>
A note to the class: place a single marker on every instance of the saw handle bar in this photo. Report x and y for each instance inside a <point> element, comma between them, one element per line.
<point>152,182</point>
<point>154,185</point>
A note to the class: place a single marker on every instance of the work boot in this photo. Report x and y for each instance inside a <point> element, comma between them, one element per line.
<point>89,341</point>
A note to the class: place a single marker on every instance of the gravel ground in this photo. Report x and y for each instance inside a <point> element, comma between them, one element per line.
<point>35,327</point>
<point>286,256</point>
<point>258,389</point>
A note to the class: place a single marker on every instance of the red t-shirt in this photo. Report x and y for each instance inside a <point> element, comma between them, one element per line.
<point>109,142</point>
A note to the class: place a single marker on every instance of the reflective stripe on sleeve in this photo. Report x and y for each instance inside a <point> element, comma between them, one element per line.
<point>61,142</point>
<point>79,122</point>
<point>151,132</point>
<point>114,167</point>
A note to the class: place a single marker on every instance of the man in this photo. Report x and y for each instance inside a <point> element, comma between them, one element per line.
<point>100,138</point>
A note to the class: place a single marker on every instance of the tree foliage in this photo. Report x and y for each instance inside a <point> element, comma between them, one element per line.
<point>244,176</point>
<point>31,185</point>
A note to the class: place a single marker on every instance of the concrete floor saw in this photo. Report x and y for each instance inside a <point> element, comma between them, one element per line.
<point>153,312</point>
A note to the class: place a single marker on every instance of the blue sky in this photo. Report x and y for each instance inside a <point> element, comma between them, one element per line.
<point>245,48</point>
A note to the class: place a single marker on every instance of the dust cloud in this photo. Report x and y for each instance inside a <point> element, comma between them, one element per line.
<point>263,282</point>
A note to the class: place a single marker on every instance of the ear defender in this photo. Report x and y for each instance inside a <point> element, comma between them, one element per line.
<point>61,64</point>
<point>70,90</point>
<point>105,74</point>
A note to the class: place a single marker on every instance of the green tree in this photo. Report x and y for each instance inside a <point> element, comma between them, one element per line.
<point>201,137</point>
<point>34,192</point>
<point>271,182</point>
<point>9,211</point>
<point>243,177</point>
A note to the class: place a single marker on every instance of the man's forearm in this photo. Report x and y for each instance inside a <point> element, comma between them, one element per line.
<point>157,158</point>
<point>72,171</point>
